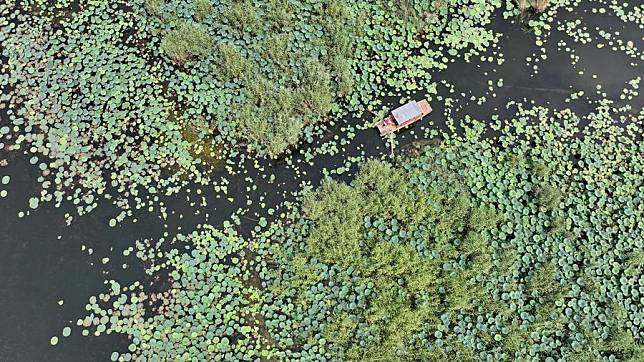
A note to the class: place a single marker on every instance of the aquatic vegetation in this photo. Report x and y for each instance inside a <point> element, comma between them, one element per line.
<point>254,59</point>
<point>400,50</point>
<point>203,9</point>
<point>206,310</point>
<point>92,106</point>
<point>526,245</point>
<point>186,41</point>
<point>231,62</point>
<point>113,86</point>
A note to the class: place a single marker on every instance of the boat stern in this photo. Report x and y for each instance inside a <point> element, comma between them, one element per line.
<point>384,129</point>
<point>425,107</point>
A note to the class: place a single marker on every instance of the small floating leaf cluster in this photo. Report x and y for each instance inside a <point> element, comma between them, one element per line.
<point>89,104</point>
<point>523,246</point>
<point>206,307</point>
<point>406,41</point>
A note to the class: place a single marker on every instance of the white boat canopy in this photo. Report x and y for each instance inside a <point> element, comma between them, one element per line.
<point>406,112</point>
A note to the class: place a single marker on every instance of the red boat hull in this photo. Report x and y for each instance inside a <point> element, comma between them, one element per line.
<point>389,125</point>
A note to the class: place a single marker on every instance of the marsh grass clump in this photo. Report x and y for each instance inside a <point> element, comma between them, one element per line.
<point>549,196</point>
<point>153,7</point>
<point>272,116</point>
<point>543,281</point>
<point>541,169</point>
<point>231,62</point>
<point>371,227</point>
<point>269,117</point>
<point>315,92</point>
<point>278,14</point>
<point>203,9</point>
<point>185,42</point>
<point>309,58</point>
<point>276,49</point>
<point>242,16</point>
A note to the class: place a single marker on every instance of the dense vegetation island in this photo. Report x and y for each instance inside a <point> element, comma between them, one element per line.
<point>512,236</point>
<point>523,247</point>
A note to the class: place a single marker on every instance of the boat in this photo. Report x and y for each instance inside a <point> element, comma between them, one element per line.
<point>404,116</point>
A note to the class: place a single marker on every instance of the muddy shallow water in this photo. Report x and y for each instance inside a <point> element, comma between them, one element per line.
<point>42,261</point>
